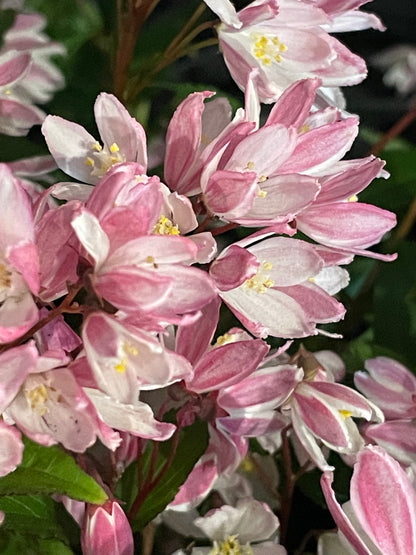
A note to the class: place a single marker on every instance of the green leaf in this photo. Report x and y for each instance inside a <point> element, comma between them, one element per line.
<point>395,304</point>
<point>6,21</point>
<point>27,544</point>
<point>70,22</point>
<point>29,513</point>
<point>47,470</point>
<point>193,442</point>
<point>397,192</point>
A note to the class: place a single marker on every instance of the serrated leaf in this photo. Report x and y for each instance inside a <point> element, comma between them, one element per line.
<point>47,470</point>
<point>192,444</point>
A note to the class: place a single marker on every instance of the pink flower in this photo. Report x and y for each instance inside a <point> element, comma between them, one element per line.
<point>286,41</point>
<point>397,437</point>
<point>51,408</point>
<point>345,15</point>
<point>243,528</point>
<point>80,155</point>
<point>19,263</point>
<point>193,126</point>
<point>322,412</point>
<point>125,359</point>
<point>381,516</point>
<point>106,530</point>
<point>11,449</point>
<point>152,272</point>
<point>270,287</point>
<point>27,76</point>
<point>390,385</point>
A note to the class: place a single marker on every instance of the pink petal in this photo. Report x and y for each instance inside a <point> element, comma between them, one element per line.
<point>346,224</point>
<point>384,500</point>
<point>233,268</point>
<point>227,365</point>
<point>115,125</point>
<point>11,451</point>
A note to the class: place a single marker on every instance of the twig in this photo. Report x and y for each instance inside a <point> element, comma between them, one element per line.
<point>394,131</point>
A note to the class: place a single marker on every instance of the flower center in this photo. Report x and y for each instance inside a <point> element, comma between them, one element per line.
<point>267,49</point>
<point>5,278</point>
<point>261,281</point>
<point>225,339</point>
<point>345,413</point>
<point>165,226</point>
<point>102,159</point>
<point>231,546</point>
<point>128,350</point>
<point>37,398</point>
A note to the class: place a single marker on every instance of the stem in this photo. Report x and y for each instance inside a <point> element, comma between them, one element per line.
<point>310,535</point>
<point>129,25</point>
<point>153,482</point>
<point>287,497</point>
<point>63,307</point>
<point>223,229</point>
<point>405,225</point>
<point>395,131</point>
<point>188,25</point>
<point>203,224</point>
<point>148,538</point>
<point>264,477</point>
<point>177,48</point>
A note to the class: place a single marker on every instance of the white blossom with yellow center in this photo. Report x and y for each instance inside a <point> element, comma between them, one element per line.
<point>39,395</point>
<point>267,48</point>
<point>261,281</point>
<point>102,159</point>
<point>128,350</point>
<point>230,546</point>
<point>165,226</point>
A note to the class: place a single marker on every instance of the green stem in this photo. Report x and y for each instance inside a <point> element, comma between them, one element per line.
<point>177,48</point>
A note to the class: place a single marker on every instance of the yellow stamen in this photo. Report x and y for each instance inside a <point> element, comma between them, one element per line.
<point>121,366</point>
<point>345,414</point>
<point>247,465</point>
<point>224,339</point>
<point>268,49</point>
<point>165,226</point>
<point>261,281</point>
<point>5,277</point>
<point>37,398</point>
<point>230,546</point>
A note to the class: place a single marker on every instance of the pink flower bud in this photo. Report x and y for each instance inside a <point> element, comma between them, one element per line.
<point>106,530</point>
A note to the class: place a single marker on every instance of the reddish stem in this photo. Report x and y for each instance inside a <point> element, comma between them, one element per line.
<point>394,131</point>
<point>223,229</point>
<point>287,497</point>
<point>152,482</point>
<point>129,24</point>
<point>64,307</point>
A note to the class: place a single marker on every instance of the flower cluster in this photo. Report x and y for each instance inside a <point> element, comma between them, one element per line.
<point>111,288</point>
<point>27,75</point>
